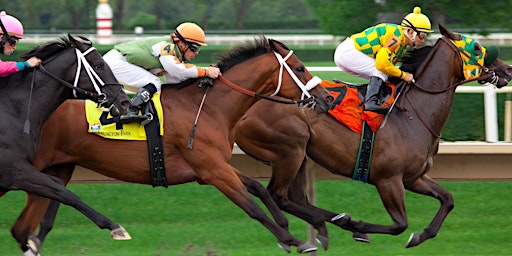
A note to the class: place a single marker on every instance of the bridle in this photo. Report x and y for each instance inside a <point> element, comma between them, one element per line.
<point>306,96</point>
<point>95,79</point>
<point>488,74</point>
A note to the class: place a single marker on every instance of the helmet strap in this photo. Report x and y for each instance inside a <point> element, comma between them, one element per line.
<point>4,38</point>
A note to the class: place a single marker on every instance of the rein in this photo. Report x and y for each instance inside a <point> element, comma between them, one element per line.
<point>456,49</point>
<point>312,83</point>
<point>254,94</point>
<point>93,76</point>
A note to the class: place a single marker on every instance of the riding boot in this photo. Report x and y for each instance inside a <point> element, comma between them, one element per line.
<point>143,95</point>
<point>371,100</point>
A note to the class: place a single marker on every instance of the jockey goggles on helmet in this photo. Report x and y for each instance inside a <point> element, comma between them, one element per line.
<point>192,46</point>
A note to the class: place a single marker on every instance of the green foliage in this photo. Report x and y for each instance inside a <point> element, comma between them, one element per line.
<point>143,19</point>
<point>344,17</point>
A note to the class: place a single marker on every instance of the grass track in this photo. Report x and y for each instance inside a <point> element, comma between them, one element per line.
<point>197,220</point>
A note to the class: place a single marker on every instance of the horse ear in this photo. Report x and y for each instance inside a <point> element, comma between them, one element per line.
<point>86,40</point>
<point>72,40</point>
<point>448,33</point>
<point>274,44</point>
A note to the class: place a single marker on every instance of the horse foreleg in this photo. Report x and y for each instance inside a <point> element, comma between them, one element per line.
<point>258,190</point>
<point>391,192</point>
<point>32,181</point>
<point>27,223</point>
<point>297,194</point>
<point>232,187</point>
<point>427,186</point>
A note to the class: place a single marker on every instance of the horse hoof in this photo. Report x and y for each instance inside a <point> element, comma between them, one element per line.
<point>361,237</point>
<point>306,248</point>
<point>323,241</point>
<point>285,247</point>
<point>120,234</point>
<point>341,219</point>
<point>33,244</point>
<point>414,240</point>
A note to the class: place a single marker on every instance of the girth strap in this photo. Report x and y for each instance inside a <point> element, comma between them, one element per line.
<point>155,147</point>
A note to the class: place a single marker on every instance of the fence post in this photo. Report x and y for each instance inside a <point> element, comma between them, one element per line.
<point>491,115</point>
<point>310,169</point>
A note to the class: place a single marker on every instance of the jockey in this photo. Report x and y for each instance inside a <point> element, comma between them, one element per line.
<point>11,31</point>
<point>373,53</point>
<point>141,62</point>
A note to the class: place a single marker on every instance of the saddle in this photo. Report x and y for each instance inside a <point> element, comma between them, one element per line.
<point>349,101</point>
<point>348,109</point>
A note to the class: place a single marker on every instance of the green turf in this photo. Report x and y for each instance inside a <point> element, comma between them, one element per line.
<point>197,220</point>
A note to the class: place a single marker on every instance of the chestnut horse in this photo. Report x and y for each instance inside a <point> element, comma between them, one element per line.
<point>256,65</point>
<point>403,152</point>
<point>70,68</point>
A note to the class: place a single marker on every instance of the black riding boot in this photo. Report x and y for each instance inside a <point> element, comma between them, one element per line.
<point>143,95</point>
<point>371,100</point>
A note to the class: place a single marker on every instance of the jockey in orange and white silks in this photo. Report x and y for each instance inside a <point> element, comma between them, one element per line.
<point>141,62</point>
<point>373,53</point>
<point>11,30</point>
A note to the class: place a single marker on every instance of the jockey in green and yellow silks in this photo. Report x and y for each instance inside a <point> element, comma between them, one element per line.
<point>373,53</point>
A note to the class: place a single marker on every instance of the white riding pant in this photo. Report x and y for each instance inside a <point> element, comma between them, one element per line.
<point>129,74</point>
<point>354,62</point>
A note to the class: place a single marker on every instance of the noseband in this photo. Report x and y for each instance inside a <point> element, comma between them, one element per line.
<point>95,79</point>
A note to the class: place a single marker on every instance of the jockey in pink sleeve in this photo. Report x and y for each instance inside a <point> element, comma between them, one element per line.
<point>11,31</point>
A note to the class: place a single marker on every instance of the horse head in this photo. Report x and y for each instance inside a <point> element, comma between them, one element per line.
<point>96,75</point>
<point>495,71</point>
<point>300,75</point>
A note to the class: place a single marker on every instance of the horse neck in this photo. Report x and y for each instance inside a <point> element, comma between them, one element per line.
<point>47,93</point>
<point>441,71</point>
<point>252,76</point>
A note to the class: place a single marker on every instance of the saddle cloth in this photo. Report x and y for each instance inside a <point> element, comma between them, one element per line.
<point>348,105</point>
<point>115,130</point>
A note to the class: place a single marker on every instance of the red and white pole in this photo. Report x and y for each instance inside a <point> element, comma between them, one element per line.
<point>104,22</point>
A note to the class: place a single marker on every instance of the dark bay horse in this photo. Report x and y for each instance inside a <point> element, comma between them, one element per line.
<point>256,66</point>
<point>28,98</point>
<point>403,153</point>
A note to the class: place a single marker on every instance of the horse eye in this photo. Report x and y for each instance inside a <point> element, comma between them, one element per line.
<point>300,69</point>
<point>98,66</point>
<point>478,49</point>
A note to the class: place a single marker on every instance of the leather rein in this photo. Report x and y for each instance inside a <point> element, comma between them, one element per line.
<point>282,61</point>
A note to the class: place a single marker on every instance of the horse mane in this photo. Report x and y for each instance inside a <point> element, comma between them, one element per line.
<point>413,59</point>
<point>49,49</point>
<point>242,52</point>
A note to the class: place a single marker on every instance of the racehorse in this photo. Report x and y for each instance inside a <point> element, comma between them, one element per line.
<point>71,68</point>
<point>255,66</point>
<point>403,152</point>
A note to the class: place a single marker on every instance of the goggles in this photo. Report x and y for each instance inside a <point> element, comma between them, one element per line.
<point>193,47</point>
<point>12,41</point>
<point>422,35</point>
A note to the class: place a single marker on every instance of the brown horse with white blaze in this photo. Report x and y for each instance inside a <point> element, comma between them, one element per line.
<point>403,152</point>
<point>252,68</point>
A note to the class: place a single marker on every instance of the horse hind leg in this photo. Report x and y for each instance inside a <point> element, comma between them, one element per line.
<point>32,181</point>
<point>427,186</point>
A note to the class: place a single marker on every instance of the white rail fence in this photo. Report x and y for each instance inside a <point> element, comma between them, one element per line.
<point>490,107</point>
